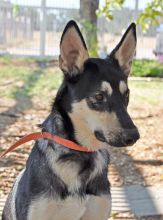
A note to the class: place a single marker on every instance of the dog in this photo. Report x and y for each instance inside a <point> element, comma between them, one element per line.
<point>90,109</point>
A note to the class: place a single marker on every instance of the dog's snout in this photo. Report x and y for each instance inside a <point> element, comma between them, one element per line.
<point>131,136</point>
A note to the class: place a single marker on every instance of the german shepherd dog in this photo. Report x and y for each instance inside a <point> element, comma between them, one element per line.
<point>90,109</point>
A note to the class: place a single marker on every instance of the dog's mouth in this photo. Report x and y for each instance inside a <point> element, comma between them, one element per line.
<point>121,140</point>
<point>100,136</point>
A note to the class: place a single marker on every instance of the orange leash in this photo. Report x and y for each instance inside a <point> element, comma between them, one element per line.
<point>45,135</point>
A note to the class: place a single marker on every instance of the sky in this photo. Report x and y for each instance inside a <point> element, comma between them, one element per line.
<point>75,3</point>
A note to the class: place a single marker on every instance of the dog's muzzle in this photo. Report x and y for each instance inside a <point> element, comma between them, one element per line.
<point>125,137</point>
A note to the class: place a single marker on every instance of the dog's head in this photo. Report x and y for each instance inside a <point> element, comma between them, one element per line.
<point>96,93</point>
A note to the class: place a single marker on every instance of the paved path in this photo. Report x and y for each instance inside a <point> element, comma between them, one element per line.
<point>142,201</point>
<point>2,201</point>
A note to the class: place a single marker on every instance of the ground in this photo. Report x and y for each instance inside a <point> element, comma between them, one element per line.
<point>27,89</point>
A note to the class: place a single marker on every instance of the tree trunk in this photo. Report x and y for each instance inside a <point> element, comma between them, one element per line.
<point>89,23</point>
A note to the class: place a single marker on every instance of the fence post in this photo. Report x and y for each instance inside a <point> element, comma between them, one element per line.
<point>43,28</point>
<point>136,10</point>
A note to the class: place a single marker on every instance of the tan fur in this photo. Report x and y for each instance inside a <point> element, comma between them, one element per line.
<point>122,87</point>
<point>67,171</point>
<point>73,53</point>
<point>90,208</point>
<point>126,52</point>
<point>99,164</point>
<point>86,121</point>
<point>106,87</point>
<point>98,208</point>
<point>70,208</point>
<point>69,174</point>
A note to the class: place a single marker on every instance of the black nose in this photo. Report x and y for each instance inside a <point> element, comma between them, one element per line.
<point>131,136</point>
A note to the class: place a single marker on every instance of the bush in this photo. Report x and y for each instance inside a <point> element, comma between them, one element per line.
<point>144,68</point>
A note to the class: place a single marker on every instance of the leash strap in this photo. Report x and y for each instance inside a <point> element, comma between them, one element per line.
<point>46,135</point>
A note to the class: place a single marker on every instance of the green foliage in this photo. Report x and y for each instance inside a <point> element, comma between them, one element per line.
<point>150,68</point>
<point>109,7</point>
<point>148,17</point>
<point>90,31</point>
<point>15,10</point>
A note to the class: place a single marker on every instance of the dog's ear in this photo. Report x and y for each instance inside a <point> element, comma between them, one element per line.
<point>73,50</point>
<point>125,50</point>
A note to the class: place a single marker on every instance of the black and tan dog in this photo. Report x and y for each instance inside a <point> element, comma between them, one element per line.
<point>90,109</point>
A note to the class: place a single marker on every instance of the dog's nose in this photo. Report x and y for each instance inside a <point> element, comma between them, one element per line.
<point>131,136</point>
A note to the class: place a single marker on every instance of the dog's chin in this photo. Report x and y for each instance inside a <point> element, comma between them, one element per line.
<point>115,144</point>
<point>118,144</point>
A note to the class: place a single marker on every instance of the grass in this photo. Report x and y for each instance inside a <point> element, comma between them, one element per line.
<point>146,92</point>
<point>26,80</point>
<point>9,59</point>
<point>150,68</point>
<point>18,80</point>
<point>48,81</point>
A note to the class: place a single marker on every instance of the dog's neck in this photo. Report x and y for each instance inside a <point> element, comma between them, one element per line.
<point>59,122</point>
<point>54,124</point>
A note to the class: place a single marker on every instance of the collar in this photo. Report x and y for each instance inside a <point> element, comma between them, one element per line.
<point>46,135</point>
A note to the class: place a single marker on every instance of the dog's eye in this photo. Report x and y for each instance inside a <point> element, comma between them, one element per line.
<point>99,97</point>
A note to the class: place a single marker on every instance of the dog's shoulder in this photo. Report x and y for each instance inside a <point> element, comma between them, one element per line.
<point>99,183</point>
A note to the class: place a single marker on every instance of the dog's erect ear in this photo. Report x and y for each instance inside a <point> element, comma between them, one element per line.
<point>125,50</point>
<point>73,50</point>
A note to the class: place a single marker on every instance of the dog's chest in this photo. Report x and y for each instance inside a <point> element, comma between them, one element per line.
<point>75,173</point>
<point>69,209</point>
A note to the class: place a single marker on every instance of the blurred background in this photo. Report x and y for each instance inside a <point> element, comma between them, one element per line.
<point>30,33</point>
<point>33,28</point>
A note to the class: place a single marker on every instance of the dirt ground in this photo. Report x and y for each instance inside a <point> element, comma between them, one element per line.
<point>139,164</point>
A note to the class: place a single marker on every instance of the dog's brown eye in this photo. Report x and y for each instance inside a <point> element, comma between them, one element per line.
<point>99,97</point>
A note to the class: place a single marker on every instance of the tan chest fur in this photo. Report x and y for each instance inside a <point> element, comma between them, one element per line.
<point>49,209</point>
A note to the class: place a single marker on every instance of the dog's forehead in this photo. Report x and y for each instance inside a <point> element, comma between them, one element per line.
<point>108,75</point>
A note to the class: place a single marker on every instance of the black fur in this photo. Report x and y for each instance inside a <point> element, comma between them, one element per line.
<point>39,178</point>
<point>96,70</point>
